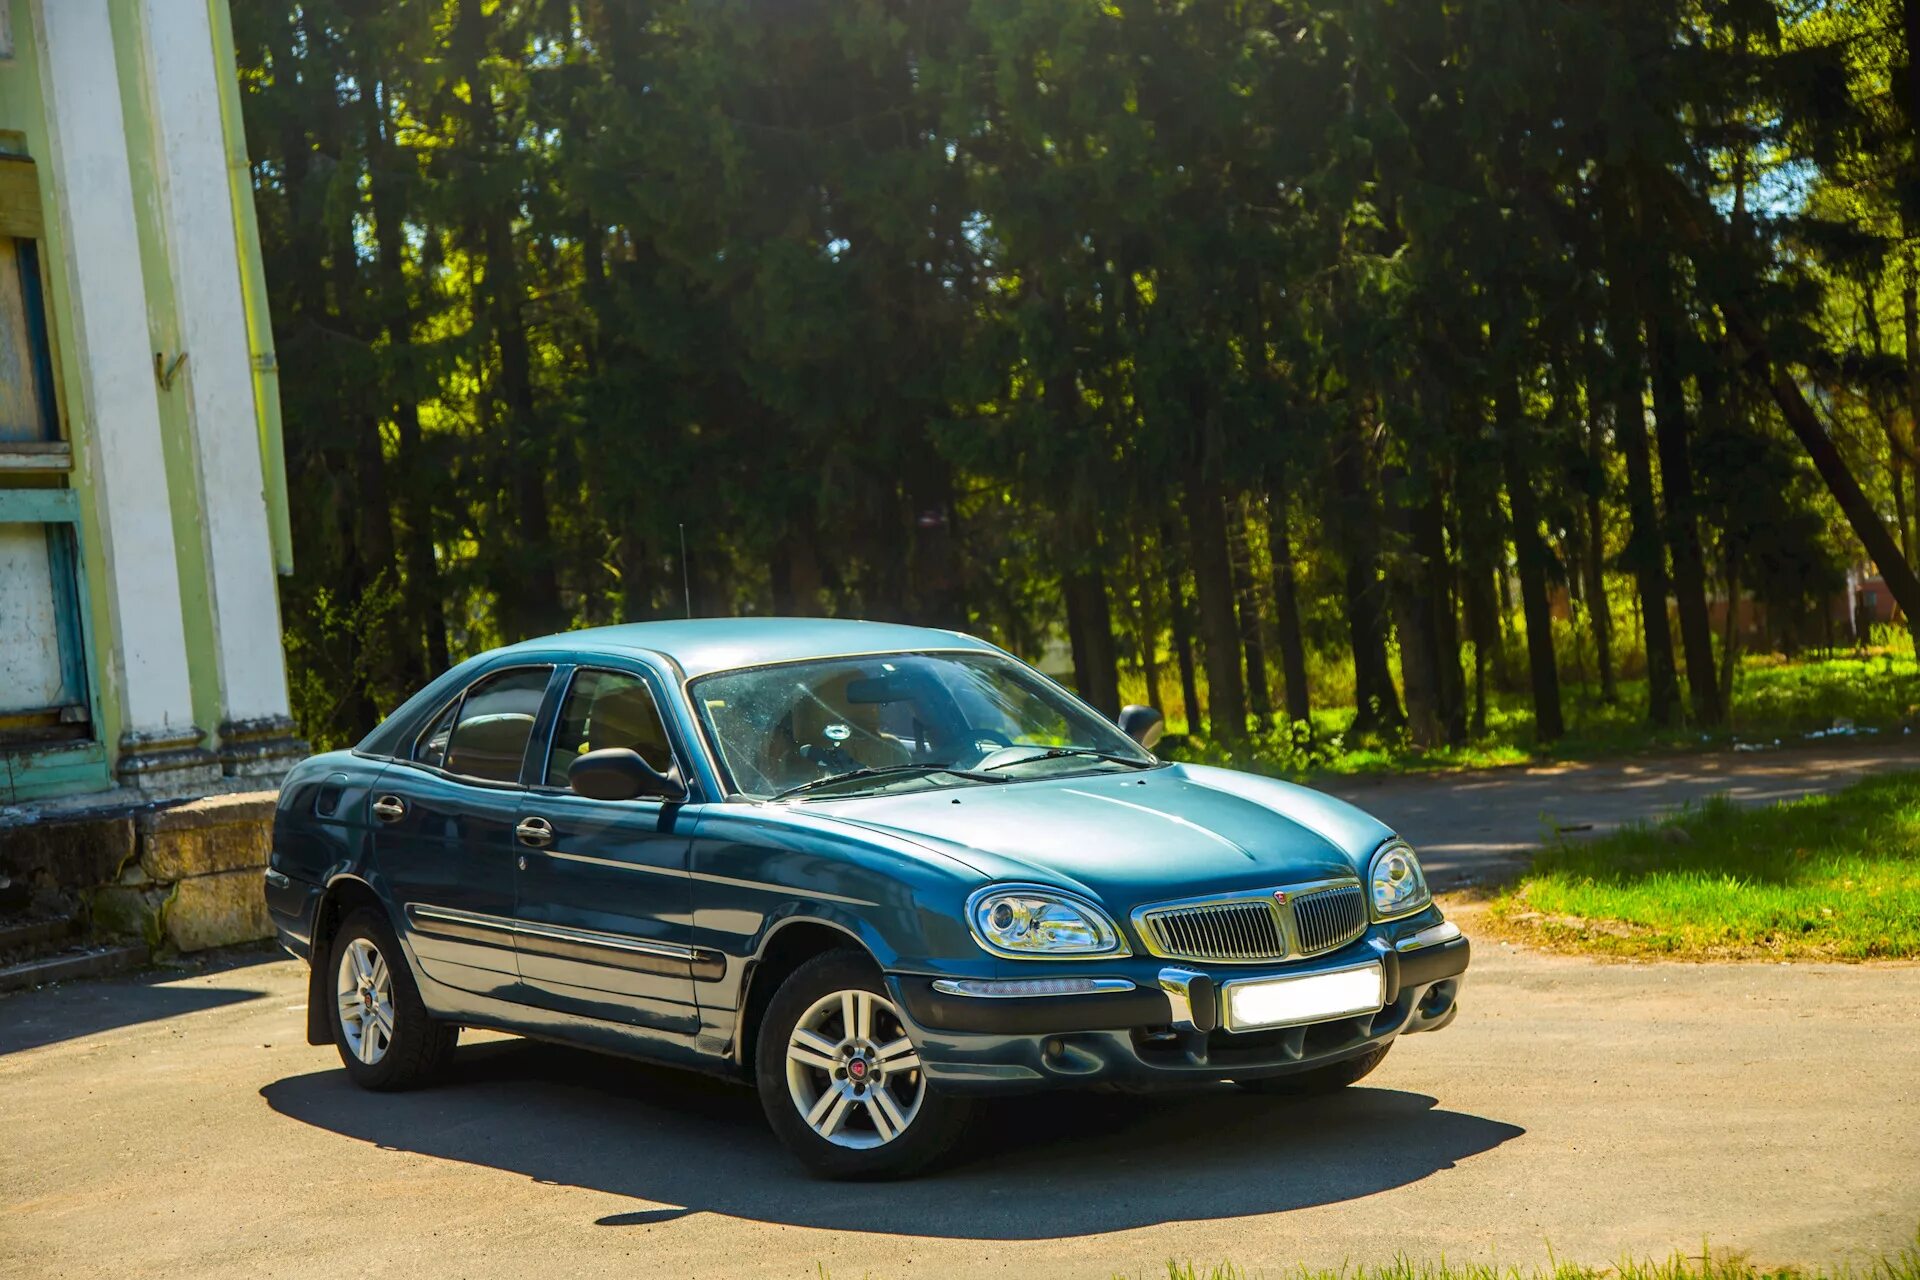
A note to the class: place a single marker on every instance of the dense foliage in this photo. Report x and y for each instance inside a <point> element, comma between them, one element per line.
<point>1219,339</point>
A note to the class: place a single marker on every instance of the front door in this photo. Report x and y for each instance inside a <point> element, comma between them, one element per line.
<point>605,902</point>
<point>444,832</point>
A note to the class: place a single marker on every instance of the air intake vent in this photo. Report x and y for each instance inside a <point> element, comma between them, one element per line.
<point>1328,918</point>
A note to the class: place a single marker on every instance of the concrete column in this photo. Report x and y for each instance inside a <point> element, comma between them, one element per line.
<point>256,732</point>
<point>116,427</point>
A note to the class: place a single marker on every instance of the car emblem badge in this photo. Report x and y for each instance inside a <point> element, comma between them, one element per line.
<point>1280,896</point>
<point>857,1068</point>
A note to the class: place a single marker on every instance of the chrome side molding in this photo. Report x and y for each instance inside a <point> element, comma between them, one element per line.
<point>589,946</point>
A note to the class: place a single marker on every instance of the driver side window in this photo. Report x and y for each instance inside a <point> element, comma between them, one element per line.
<point>608,709</point>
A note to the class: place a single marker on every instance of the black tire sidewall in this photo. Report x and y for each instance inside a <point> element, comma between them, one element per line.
<point>931,1135</point>
<point>420,1044</point>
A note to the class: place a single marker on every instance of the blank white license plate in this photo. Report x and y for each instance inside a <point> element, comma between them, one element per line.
<point>1314,997</point>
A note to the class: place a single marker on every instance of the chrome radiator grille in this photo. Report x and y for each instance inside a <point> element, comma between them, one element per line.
<point>1253,929</point>
<point>1247,930</point>
<point>1329,918</point>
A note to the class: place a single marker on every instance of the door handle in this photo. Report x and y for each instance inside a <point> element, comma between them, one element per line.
<point>389,808</point>
<point>537,832</point>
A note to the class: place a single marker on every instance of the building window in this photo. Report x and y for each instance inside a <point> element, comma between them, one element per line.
<point>27,409</point>
<point>44,699</point>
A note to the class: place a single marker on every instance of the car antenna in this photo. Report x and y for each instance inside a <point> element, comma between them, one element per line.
<point>686,579</point>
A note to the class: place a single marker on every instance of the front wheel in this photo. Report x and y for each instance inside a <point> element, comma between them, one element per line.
<point>1318,1080</point>
<point>841,1081</point>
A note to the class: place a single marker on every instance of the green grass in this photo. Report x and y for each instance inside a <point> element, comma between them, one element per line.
<point>1833,877</point>
<point>1708,1265</point>
<point>1775,702</point>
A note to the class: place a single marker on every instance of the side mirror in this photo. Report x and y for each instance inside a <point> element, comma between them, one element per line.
<point>1143,724</point>
<point>618,773</point>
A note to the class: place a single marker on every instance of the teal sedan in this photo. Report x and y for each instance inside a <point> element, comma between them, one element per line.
<point>879,872</point>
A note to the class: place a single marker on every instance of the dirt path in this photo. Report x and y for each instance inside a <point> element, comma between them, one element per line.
<point>1473,827</point>
<point>182,1128</point>
<point>164,1127</point>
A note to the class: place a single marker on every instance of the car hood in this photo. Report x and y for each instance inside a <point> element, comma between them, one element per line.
<point>1133,837</point>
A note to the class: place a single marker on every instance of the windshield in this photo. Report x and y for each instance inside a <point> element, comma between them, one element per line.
<point>896,720</point>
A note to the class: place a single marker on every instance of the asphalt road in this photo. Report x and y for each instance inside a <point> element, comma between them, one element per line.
<point>1475,827</point>
<point>178,1124</point>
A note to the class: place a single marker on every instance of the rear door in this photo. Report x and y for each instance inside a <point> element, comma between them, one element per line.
<point>605,902</point>
<point>444,831</point>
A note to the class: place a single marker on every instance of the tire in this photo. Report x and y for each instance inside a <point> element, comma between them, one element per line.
<point>855,1081</point>
<point>1319,1080</point>
<point>365,963</point>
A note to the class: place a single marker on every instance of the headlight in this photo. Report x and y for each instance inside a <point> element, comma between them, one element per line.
<point>1399,888</point>
<point>1032,923</point>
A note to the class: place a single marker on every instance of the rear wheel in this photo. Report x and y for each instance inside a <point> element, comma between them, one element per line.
<point>840,1080</point>
<point>380,1026</point>
<point>1317,1080</point>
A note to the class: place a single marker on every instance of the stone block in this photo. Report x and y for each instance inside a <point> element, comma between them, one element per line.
<point>217,911</point>
<point>66,855</point>
<point>205,837</point>
<point>131,912</point>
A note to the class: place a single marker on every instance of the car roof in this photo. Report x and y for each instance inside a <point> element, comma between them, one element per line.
<point>702,645</point>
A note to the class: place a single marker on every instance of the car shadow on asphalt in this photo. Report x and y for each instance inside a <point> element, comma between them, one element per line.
<point>1041,1167</point>
<point>68,1011</point>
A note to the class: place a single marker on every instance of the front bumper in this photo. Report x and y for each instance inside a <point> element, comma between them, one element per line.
<point>1166,1030</point>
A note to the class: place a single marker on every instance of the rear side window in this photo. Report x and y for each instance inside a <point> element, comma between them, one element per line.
<point>432,747</point>
<point>608,709</point>
<point>485,734</point>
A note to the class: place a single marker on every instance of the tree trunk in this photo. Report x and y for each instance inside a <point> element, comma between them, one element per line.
<point>1357,521</point>
<point>1599,611</point>
<point>1219,628</point>
<point>1730,631</point>
<point>1503,593</point>
<point>1910,29</point>
<point>1180,617</point>
<point>1682,525</point>
<point>1413,616</point>
<point>528,588</point>
<point>1247,603</point>
<point>1910,324</point>
<point>1485,634</point>
<point>1645,556</point>
<point>1146,631</point>
<point>373,545</point>
<point>1534,560</point>
<point>1855,504</point>
<point>426,609</point>
<point>1430,544</point>
<point>1286,603</point>
<point>1090,624</point>
<point>1805,424</point>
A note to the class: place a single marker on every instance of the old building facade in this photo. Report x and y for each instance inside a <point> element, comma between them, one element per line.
<point>142,490</point>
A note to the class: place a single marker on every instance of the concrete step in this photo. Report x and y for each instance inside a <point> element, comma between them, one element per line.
<point>95,961</point>
<point>23,937</point>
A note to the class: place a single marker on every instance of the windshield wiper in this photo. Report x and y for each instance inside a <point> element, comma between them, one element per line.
<point>1057,753</point>
<point>854,775</point>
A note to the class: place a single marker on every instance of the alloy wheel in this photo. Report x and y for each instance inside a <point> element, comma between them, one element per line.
<point>852,1072</point>
<point>365,994</point>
